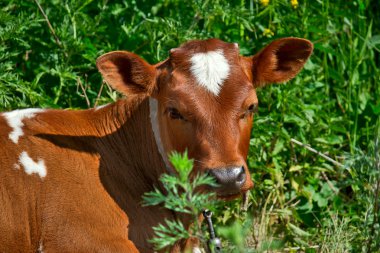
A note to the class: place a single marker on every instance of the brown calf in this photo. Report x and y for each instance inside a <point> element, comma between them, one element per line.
<point>72,181</point>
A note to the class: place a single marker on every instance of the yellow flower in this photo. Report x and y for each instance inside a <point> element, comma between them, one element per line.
<point>264,2</point>
<point>294,3</point>
<point>268,32</point>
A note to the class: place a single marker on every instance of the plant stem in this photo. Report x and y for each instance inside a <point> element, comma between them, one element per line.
<point>59,43</point>
<point>316,152</point>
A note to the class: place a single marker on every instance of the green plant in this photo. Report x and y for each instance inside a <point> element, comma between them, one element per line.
<point>181,194</point>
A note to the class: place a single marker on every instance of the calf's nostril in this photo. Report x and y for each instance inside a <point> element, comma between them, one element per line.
<point>240,179</point>
<point>229,179</point>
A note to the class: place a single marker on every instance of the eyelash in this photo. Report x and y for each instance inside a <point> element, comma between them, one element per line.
<point>251,110</point>
<point>174,113</point>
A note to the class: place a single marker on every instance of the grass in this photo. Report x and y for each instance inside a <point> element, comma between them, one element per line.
<point>300,200</point>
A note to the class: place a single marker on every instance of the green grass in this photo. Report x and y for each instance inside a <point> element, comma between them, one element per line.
<point>300,200</point>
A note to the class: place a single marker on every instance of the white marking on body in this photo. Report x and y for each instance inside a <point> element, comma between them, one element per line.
<point>40,248</point>
<point>197,250</point>
<point>31,166</point>
<point>101,106</point>
<point>153,107</point>
<point>16,166</point>
<point>210,69</point>
<point>15,118</point>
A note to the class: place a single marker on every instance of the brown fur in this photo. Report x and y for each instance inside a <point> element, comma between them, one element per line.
<point>100,162</point>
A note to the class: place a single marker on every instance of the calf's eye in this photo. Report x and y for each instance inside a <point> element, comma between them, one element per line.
<point>252,108</point>
<point>249,111</point>
<point>174,113</point>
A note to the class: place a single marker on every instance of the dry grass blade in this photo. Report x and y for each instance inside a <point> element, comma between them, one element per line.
<point>316,152</point>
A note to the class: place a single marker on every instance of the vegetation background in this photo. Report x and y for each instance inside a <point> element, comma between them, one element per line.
<point>301,202</point>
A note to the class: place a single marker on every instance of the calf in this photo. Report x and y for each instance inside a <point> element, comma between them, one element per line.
<point>72,181</point>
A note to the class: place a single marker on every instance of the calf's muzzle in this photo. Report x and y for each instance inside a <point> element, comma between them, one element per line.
<point>230,179</point>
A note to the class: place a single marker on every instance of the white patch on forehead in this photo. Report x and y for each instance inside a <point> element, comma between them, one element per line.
<point>15,118</point>
<point>210,69</point>
<point>153,113</point>
<point>31,166</point>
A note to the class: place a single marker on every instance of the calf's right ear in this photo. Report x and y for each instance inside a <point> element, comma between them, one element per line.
<point>127,73</point>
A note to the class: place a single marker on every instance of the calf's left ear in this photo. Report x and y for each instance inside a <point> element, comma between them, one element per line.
<point>280,61</point>
<point>127,73</point>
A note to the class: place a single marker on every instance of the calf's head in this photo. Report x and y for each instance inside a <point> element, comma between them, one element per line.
<point>205,99</point>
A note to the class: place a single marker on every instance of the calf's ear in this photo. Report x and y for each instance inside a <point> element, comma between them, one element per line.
<point>280,61</point>
<point>127,73</point>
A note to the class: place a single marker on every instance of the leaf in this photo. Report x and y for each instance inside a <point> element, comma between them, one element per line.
<point>326,190</point>
<point>375,109</point>
<point>279,176</point>
<point>294,119</point>
<point>204,180</point>
<point>336,75</point>
<point>182,163</point>
<point>298,231</point>
<point>295,168</point>
<point>294,184</point>
<point>168,234</point>
<point>278,147</point>
<point>324,48</point>
<point>309,114</point>
<point>306,207</point>
<point>375,40</point>
<point>320,199</point>
<point>234,233</point>
<point>331,140</point>
<point>153,198</point>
